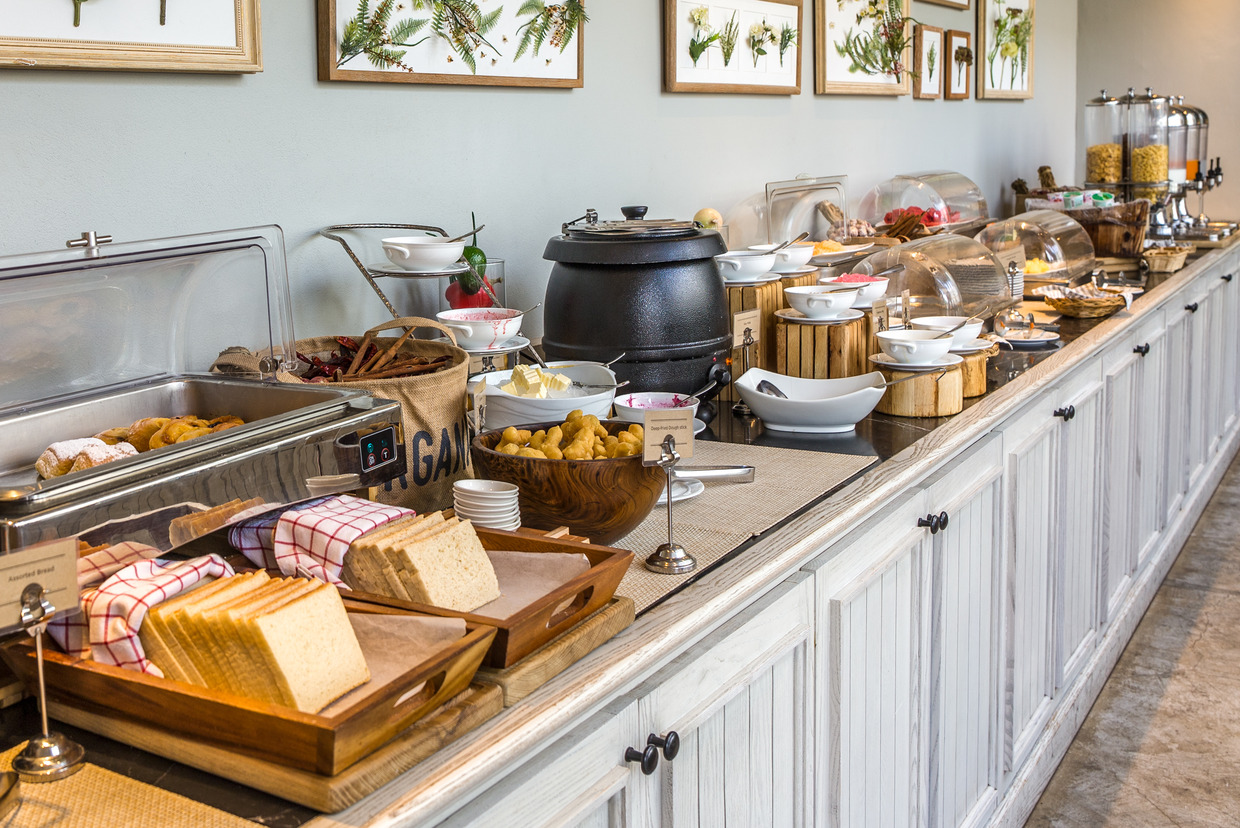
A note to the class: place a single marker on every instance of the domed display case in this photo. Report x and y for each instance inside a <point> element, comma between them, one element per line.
<point>945,275</point>
<point>1055,248</point>
<point>946,201</point>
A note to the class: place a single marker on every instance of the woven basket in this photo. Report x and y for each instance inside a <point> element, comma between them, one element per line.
<point>1167,259</point>
<point>1086,308</point>
<point>1115,231</point>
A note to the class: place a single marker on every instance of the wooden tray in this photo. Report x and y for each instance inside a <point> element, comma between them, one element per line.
<point>280,735</point>
<point>527,630</point>
<point>557,655</point>
<point>327,794</point>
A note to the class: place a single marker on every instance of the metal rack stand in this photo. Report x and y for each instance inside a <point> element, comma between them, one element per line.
<point>332,232</point>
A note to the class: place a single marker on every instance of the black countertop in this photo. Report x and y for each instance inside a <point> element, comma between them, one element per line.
<point>878,434</point>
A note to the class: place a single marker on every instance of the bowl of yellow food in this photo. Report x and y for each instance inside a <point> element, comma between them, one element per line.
<point>583,473</point>
<point>529,394</point>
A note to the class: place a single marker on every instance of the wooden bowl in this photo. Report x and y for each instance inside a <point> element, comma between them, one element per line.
<point>600,499</point>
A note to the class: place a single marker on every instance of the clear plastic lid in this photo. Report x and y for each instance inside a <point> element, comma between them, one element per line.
<point>818,206</point>
<point>1054,244</point>
<point>82,319</point>
<point>944,275</point>
<point>943,199</point>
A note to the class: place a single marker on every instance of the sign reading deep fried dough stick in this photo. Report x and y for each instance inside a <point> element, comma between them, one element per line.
<point>677,422</point>
<point>750,320</point>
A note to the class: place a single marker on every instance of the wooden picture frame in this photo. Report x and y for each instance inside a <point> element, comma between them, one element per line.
<point>833,19</point>
<point>958,78</point>
<point>431,59</point>
<point>928,59</point>
<point>955,4</point>
<point>220,36</point>
<point>1000,77</point>
<point>745,72</point>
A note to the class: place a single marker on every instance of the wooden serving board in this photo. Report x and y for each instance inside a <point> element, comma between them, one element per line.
<point>319,743</point>
<point>523,632</point>
<point>327,794</point>
<point>1206,244</point>
<point>557,655</point>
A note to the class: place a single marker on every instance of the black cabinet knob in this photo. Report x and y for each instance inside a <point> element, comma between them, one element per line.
<point>1066,413</point>
<point>930,522</point>
<point>1191,307</point>
<point>649,758</point>
<point>669,743</point>
<point>1142,350</point>
<point>1227,277</point>
<point>942,520</point>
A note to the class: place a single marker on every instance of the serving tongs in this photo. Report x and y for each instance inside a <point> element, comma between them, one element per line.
<point>731,474</point>
<point>768,387</point>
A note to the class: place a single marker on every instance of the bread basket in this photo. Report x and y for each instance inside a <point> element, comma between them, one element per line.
<point>1167,259</point>
<point>1086,308</point>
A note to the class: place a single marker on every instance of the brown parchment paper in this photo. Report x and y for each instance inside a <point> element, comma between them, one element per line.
<point>525,577</point>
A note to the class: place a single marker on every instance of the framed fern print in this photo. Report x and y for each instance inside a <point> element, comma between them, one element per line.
<point>132,35</point>
<point>862,47</point>
<point>472,42</point>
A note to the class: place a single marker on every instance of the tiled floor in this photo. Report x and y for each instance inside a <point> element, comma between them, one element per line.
<point>1161,746</point>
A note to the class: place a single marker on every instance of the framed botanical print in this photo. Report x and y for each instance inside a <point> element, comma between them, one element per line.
<point>862,47</point>
<point>747,46</point>
<point>473,42</point>
<point>958,66</point>
<point>955,4</point>
<point>928,60</point>
<point>131,35</point>
<point>1005,30</point>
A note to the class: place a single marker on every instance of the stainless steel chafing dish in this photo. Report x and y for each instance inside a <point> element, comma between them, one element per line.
<point>104,336</point>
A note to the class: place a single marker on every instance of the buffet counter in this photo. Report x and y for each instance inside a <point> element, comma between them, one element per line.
<point>919,646</point>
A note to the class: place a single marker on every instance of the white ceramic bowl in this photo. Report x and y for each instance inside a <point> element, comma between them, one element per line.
<point>820,301</point>
<point>489,513</point>
<point>792,257</point>
<point>913,347</point>
<point>503,409</point>
<point>485,491</point>
<point>960,338</point>
<point>867,292</point>
<point>425,253</point>
<point>633,406</point>
<point>814,405</point>
<point>482,327</point>
<point>744,265</point>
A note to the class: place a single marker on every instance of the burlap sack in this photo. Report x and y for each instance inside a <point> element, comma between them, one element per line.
<point>432,413</point>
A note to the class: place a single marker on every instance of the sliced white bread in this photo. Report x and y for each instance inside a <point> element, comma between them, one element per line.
<point>447,567</point>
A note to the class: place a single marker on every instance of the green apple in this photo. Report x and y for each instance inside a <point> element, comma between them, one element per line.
<point>709,218</point>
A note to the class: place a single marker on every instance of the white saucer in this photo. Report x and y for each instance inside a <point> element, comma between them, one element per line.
<point>389,269</point>
<point>698,426</point>
<point>849,251</point>
<point>800,271</point>
<point>942,362</point>
<point>683,488</point>
<point>1030,339</point>
<point>759,280</point>
<point>515,344</point>
<point>794,315</point>
<point>972,346</point>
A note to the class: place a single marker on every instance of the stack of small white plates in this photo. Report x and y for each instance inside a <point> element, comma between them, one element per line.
<point>488,503</point>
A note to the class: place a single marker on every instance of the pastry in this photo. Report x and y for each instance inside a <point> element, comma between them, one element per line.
<point>92,456</point>
<point>58,458</point>
<point>141,431</point>
<point>112,436</point>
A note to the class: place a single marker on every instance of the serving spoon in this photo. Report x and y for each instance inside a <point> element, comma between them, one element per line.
<point>951,331</point>
<point>775,249</point>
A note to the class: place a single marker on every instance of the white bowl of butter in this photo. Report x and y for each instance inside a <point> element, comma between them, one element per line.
<point>529,394</point>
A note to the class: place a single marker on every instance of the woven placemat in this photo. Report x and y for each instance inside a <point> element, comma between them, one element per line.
<point>98,798</point>
<point>726,515</point>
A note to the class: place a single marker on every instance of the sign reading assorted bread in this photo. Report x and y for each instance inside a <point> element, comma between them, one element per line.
<point>51,565</point>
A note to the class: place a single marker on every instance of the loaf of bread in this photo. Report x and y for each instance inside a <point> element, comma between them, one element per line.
<point>428,560</point>
<point>285,641</point>
<point>196,524</point>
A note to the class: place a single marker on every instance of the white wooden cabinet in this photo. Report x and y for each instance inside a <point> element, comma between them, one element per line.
<point>1178,409</point>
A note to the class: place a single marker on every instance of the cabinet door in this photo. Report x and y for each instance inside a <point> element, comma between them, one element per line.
<point>1230,294</point>
<point>1220,328</point>
<point>1199,376</point>
<point>870,598</point>
<point>1119,538</point>
<point>1148,446</point>
<point>1078,487</point>
<point>1179,413</point>
<point>741,703</point>
<point>963,675</point>
<point>580,780</point>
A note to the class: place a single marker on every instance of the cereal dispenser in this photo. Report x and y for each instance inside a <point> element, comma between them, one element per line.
<point>1148,153</point>
<point>1105,125</point>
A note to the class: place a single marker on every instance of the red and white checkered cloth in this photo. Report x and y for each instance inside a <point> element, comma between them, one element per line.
<point>117,608</point>
<point>71,630</point>
<point>312,538</point>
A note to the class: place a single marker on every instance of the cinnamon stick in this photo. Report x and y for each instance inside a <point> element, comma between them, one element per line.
<point>359,356</point>
<point>395,373</point>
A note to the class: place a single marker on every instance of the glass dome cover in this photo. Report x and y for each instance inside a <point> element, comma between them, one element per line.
<point>945,275</point>
<point>1056,247</point>
<point>945,199</point>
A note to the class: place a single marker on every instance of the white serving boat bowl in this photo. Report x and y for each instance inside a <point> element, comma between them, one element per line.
<point>816,406</point>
